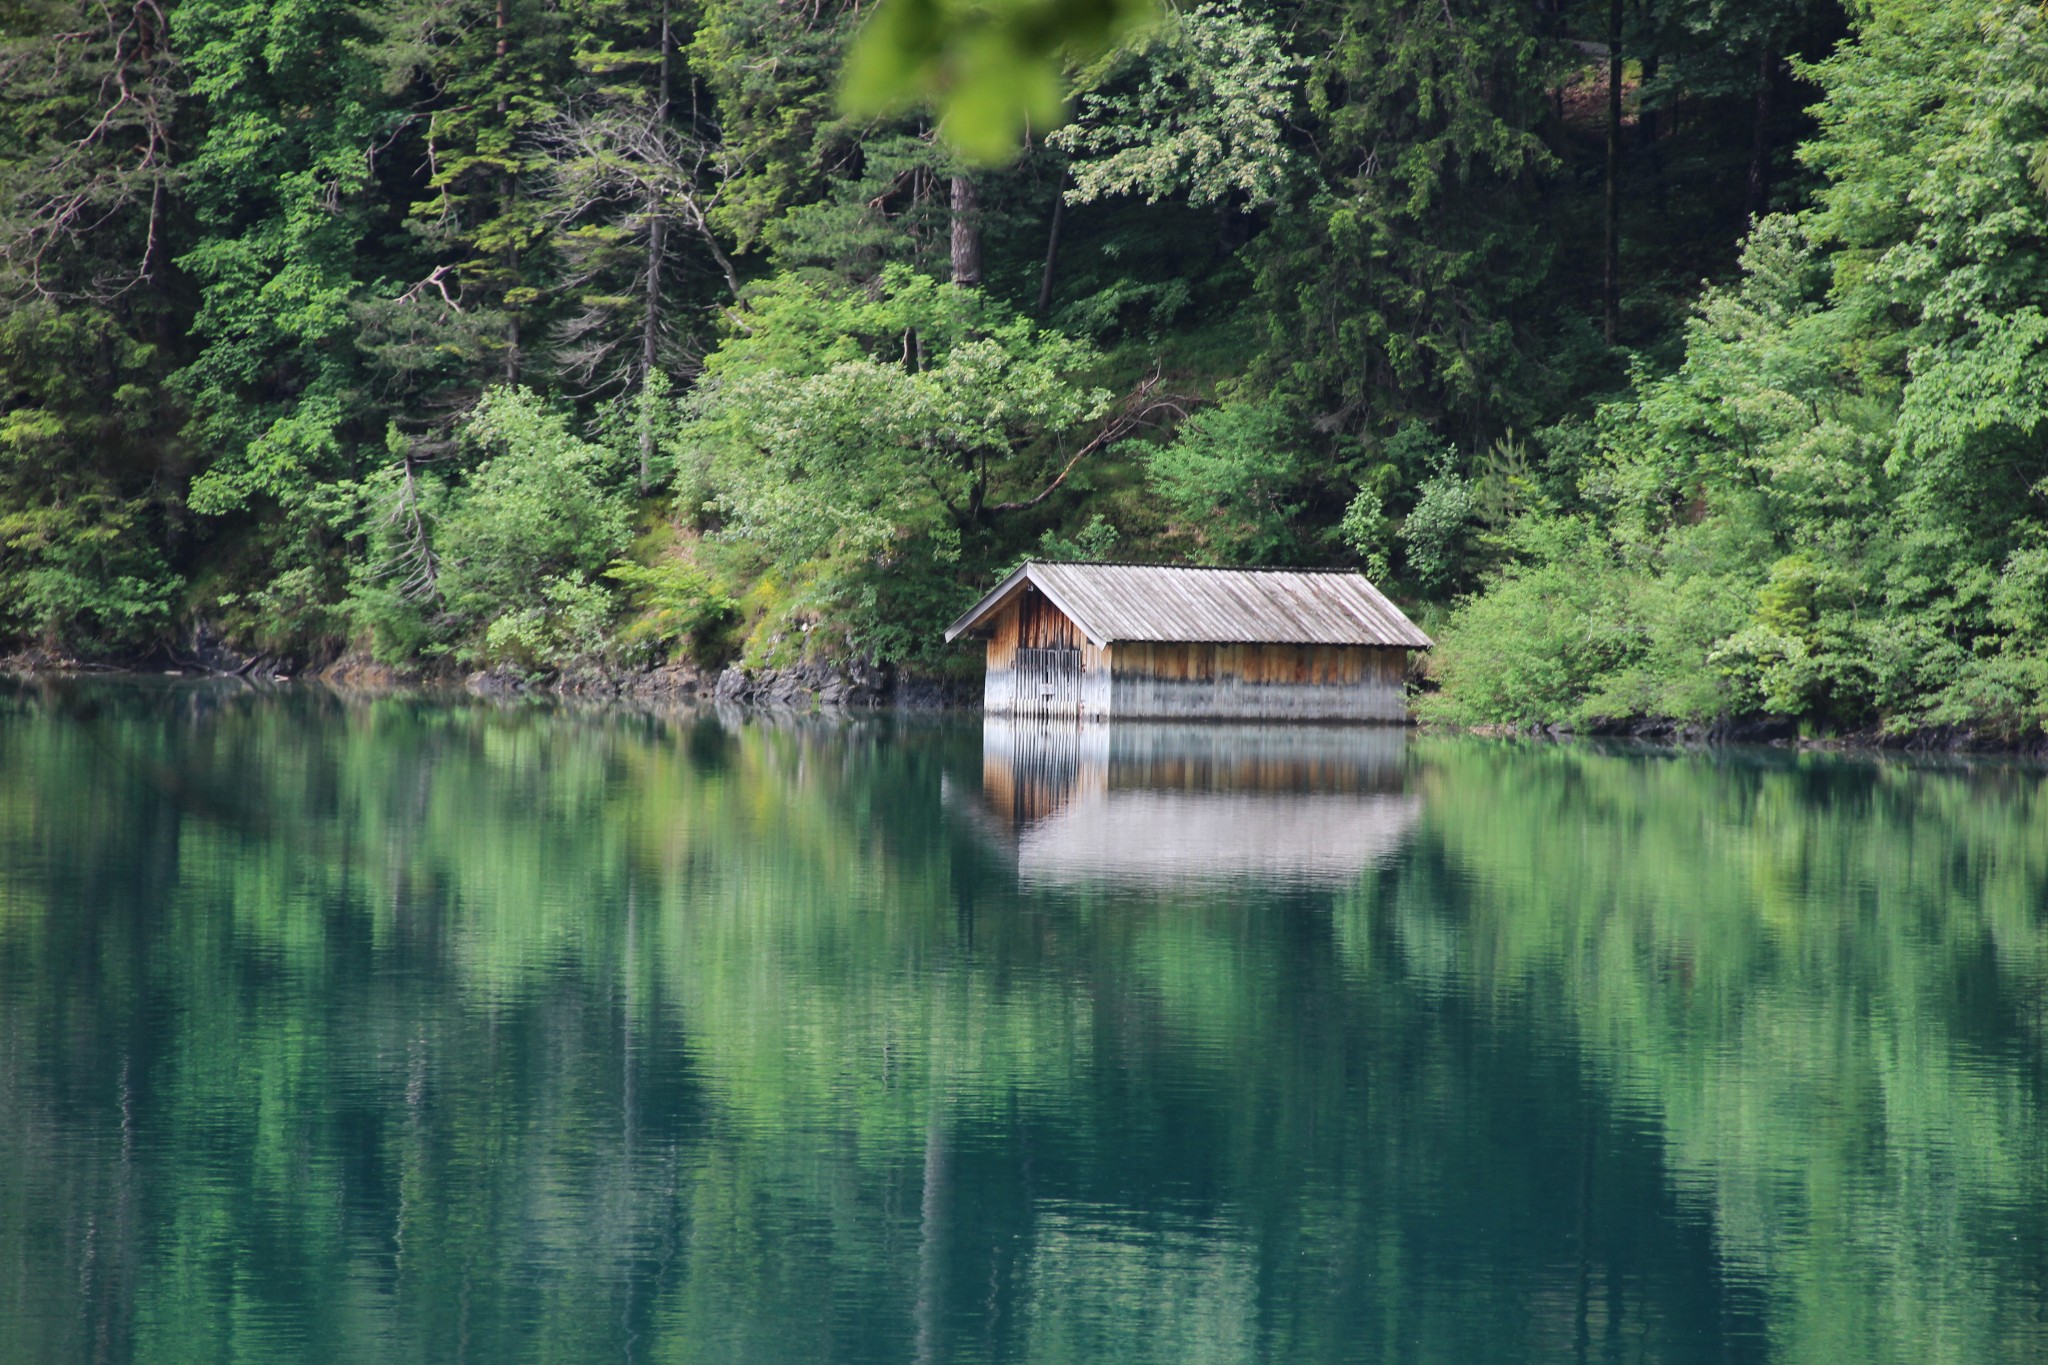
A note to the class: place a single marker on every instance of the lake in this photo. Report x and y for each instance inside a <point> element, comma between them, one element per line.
<point>405,1029</point>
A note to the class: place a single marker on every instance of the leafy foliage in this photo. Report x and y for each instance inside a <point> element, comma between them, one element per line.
<point>1437,531</point>
<point>1229,474</point>
<point>858,442</point>
<point>1396,290</point>
<point>79,556</point>
<point>1296,284</point>
<point>1198,106</point>
<point>1849,456</point>
<point>517,546</point>
<point>676,601</point>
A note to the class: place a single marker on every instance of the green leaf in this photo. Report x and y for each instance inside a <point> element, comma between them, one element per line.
<point>992,69</point>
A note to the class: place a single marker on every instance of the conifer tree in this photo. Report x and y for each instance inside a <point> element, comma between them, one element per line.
<point>637,177</point>
<point>91,101</point>
<point>479,80</point>
<point>1398,290</point>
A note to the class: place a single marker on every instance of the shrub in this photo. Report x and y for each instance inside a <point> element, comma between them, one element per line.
<point>1232,475</point>
<point>506,562</point>
<point>677,603</point>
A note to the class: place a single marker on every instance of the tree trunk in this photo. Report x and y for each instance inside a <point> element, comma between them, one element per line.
<point>661,97</point>
<point>966,232</point>
<point>508,187</point>
<point>657,242</point>
<point>1052,247</point>
<point>1760,133</point>
<point>1611,285</point>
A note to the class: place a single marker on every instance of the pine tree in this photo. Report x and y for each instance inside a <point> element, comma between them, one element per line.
<point>635,184</point>
<point>91,101</point>
<point>1399,290</point>
<point>479,80</point>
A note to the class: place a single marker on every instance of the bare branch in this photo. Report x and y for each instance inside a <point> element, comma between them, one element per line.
<point>1136,410</point>
<point>116,164</point>
<point>439,280</point>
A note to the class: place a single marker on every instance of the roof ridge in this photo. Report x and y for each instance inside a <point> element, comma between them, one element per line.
<point>1213,568</point>
<point>1246,606</point>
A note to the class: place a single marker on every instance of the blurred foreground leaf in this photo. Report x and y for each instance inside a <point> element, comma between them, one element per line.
<point>991,68</point>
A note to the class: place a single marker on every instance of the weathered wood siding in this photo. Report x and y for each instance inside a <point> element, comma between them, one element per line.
<point>1040,664</point>
<point>1259,682</point>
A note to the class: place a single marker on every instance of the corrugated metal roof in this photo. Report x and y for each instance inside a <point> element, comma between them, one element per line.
<point>1170,603</point>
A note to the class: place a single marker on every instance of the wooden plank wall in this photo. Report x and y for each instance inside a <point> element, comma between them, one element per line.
<point>1183,681</point>
<point>1260,682</point>
<point>1032,623</point>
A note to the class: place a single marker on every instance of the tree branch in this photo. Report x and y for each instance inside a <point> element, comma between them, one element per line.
<point>1136,410</point>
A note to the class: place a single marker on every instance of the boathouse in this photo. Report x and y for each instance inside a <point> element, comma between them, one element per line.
<point>1157,641</point>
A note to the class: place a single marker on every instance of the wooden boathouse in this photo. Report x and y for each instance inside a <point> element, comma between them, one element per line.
<point>1156,641</point>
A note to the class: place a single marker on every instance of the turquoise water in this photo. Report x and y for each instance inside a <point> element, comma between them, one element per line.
<point>412,1030</point>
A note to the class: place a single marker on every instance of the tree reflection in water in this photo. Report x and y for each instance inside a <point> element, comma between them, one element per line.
<point>398,1029</point>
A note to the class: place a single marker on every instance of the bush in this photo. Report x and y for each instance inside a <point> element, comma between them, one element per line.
<point>82,575</point>
<point>1232,474</point>
<point>1542,637</point>
<point>677,603</point>
<point>1438,533</point>
<point>506,563</point>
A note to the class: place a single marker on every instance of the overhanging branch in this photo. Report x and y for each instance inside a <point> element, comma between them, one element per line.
<point>1136,410</point>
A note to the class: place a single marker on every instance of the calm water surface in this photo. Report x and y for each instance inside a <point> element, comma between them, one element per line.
<point>401,1030</point>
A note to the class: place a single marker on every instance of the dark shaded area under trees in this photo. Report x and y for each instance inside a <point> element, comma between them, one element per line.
<point>1694,377</point>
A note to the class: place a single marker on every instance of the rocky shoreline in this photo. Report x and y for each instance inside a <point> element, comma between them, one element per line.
<point>801,687</point>
<point>827,687</point>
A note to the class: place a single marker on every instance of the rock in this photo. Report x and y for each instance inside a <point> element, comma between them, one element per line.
<point>803,687</point>
<point>1759,729</point>
<point>587,681</point>
<point>362,671</point>
<point>668,682</point>
<point>206,648</point>
<point>499,680</point>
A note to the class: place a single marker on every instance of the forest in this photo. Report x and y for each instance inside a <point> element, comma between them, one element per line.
<point>1668,359</point>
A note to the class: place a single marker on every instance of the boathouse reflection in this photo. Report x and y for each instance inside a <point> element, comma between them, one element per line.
<point>1137,802</point>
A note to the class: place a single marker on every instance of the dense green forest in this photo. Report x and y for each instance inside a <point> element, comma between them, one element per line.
<point>1668,358</point>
